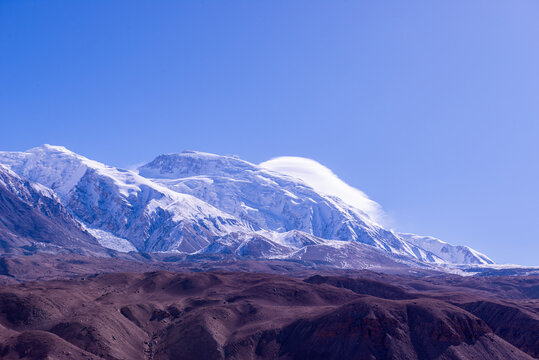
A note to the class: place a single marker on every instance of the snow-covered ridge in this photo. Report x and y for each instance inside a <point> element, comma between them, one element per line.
<point>449,253</point>
<point>18,185</point>
<point>194,202</point>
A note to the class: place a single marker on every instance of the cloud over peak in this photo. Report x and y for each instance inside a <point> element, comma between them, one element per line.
<point>323,180</point>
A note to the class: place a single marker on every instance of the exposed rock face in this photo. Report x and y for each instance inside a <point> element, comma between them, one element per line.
<point>517,324</point>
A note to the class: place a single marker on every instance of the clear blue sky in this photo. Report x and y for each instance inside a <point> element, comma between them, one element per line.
<point>430,107</point>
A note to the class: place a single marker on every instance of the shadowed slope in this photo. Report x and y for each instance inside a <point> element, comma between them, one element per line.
<point>32,218</point>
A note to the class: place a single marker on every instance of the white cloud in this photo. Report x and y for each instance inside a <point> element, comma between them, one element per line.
<point>325,181</point>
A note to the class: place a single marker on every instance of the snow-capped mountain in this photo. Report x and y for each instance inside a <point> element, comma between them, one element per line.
<point>114,203</point>
<point>200,203</point>
<point>270,201</point>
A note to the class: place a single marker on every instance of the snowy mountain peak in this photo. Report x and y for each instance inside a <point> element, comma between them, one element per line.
<point>193,163</point>
<point>58,148</point>
<point>53,166</point>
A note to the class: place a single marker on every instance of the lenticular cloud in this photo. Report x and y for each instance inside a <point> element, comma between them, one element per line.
<point>322,179</point>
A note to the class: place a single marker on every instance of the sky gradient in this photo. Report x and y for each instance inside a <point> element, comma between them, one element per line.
<point>429,107</point>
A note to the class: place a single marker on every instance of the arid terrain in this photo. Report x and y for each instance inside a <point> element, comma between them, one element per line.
<point>288,312</point>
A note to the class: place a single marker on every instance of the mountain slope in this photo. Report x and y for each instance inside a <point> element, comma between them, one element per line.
<point>32,218</point>
<point>325,181</point>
